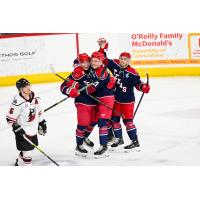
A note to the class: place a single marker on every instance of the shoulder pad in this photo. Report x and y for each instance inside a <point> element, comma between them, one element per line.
<point>132,70</point>
<point>36,96</point>
<point>116,61</point>
<point>18,100</point>
<point>78,73</point>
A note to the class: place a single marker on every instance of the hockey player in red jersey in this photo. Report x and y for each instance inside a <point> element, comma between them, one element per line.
<point>127,80</point>
<point>103,90</point>
<point>85,105</point>
<point>25,116</point>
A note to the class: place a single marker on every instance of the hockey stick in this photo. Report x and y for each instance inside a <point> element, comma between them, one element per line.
<point>56,104</point>
<point>53,71</point>
<point>40,150</point>
<point>63,100</point>
<point>59,102</point>
<point>99,101</point>
<point>141,98</point>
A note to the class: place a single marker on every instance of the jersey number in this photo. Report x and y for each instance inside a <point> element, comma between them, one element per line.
<point>11,110</point>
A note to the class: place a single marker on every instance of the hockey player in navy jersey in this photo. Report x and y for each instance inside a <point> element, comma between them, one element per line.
<point>85,105</point>
<point>25,116</point>
<point>102,89</point>
<point>127,79</point>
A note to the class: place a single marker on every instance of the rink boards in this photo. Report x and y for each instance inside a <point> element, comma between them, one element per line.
<point>175,54</point>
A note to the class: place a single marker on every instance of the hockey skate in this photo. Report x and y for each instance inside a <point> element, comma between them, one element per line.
<point>102,152</point>
<point>111,139</point>
<point>23,161</point>
<point>81,151</point>
<point>117,144</point>
<point>133,146</point>
<point>88,142</point>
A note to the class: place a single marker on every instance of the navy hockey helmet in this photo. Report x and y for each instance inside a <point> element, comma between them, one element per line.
<point>21,83</point>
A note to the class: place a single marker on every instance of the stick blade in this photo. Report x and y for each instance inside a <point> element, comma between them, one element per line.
<point>52,68</point>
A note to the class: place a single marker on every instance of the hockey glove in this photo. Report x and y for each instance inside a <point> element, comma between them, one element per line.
<point>102,44</point>
<point>145,88</point>
<point>72,92</point>
<point>42,127</point>
<point>91,89</point>
<point>17,129</point>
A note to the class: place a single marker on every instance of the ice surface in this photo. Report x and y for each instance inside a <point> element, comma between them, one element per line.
<point>168,123</point>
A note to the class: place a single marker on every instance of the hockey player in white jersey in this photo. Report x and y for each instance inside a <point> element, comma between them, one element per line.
<point>25,116</point>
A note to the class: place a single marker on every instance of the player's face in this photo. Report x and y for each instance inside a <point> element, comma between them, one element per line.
<point>85,65</point>
<point>95,63</point>
<point>26,90</point>
<point>124,61</point>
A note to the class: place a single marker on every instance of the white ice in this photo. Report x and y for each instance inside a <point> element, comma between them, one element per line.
<point>168,123</point>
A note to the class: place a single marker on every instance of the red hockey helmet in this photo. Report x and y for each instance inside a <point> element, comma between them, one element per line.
<point>83,57</point>
<point>125,54</point>
<point>98,55</point>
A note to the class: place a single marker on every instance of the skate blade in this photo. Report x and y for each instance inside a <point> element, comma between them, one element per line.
<point>101,156</point>
<point>80,154</point>
<point>118,148</point>
<point>136,149</point>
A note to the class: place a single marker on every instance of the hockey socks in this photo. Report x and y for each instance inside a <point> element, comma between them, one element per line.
<point>117,127</point>
<point>80,132</point>
<point>131,129</point>
<point>103,131</point>
<point>89,129</point>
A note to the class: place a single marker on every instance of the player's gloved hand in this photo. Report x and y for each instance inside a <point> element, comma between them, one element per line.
<point>72,92</point>
<point>111,83</point>
<point>17,129</point>
<point>145,88</point>
<point>90,89</point>
<point>42,127</point>
<point>102,44</point>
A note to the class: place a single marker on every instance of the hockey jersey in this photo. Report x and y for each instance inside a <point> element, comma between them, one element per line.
<point>83,78</point>
<point>127,79</point>
<point>27,113</point>
<point>101,78</point>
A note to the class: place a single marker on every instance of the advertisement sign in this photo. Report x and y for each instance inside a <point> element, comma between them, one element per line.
<point>22,55</point>
<point>194,47</point>
<point>164,48</point>
<point>35,54</point>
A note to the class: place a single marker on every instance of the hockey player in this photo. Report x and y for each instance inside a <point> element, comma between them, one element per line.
<point>127,80</point>
<point>103,90</point>
<point>25,116</point>
<point>85,105</point>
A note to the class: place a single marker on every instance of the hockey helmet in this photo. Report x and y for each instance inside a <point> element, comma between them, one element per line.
<point>83,57</point>
<point>21,83</point>
<point>98,55</point>
<point>125,54</point>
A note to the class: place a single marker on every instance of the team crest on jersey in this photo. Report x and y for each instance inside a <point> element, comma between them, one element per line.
<point>32,114</point>
<point>127,75</point>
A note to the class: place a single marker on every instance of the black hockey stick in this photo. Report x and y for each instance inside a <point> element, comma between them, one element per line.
<point>141,98</point>
<point>56,104</point>
<point>59,102</point>
<point>40,150</point>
